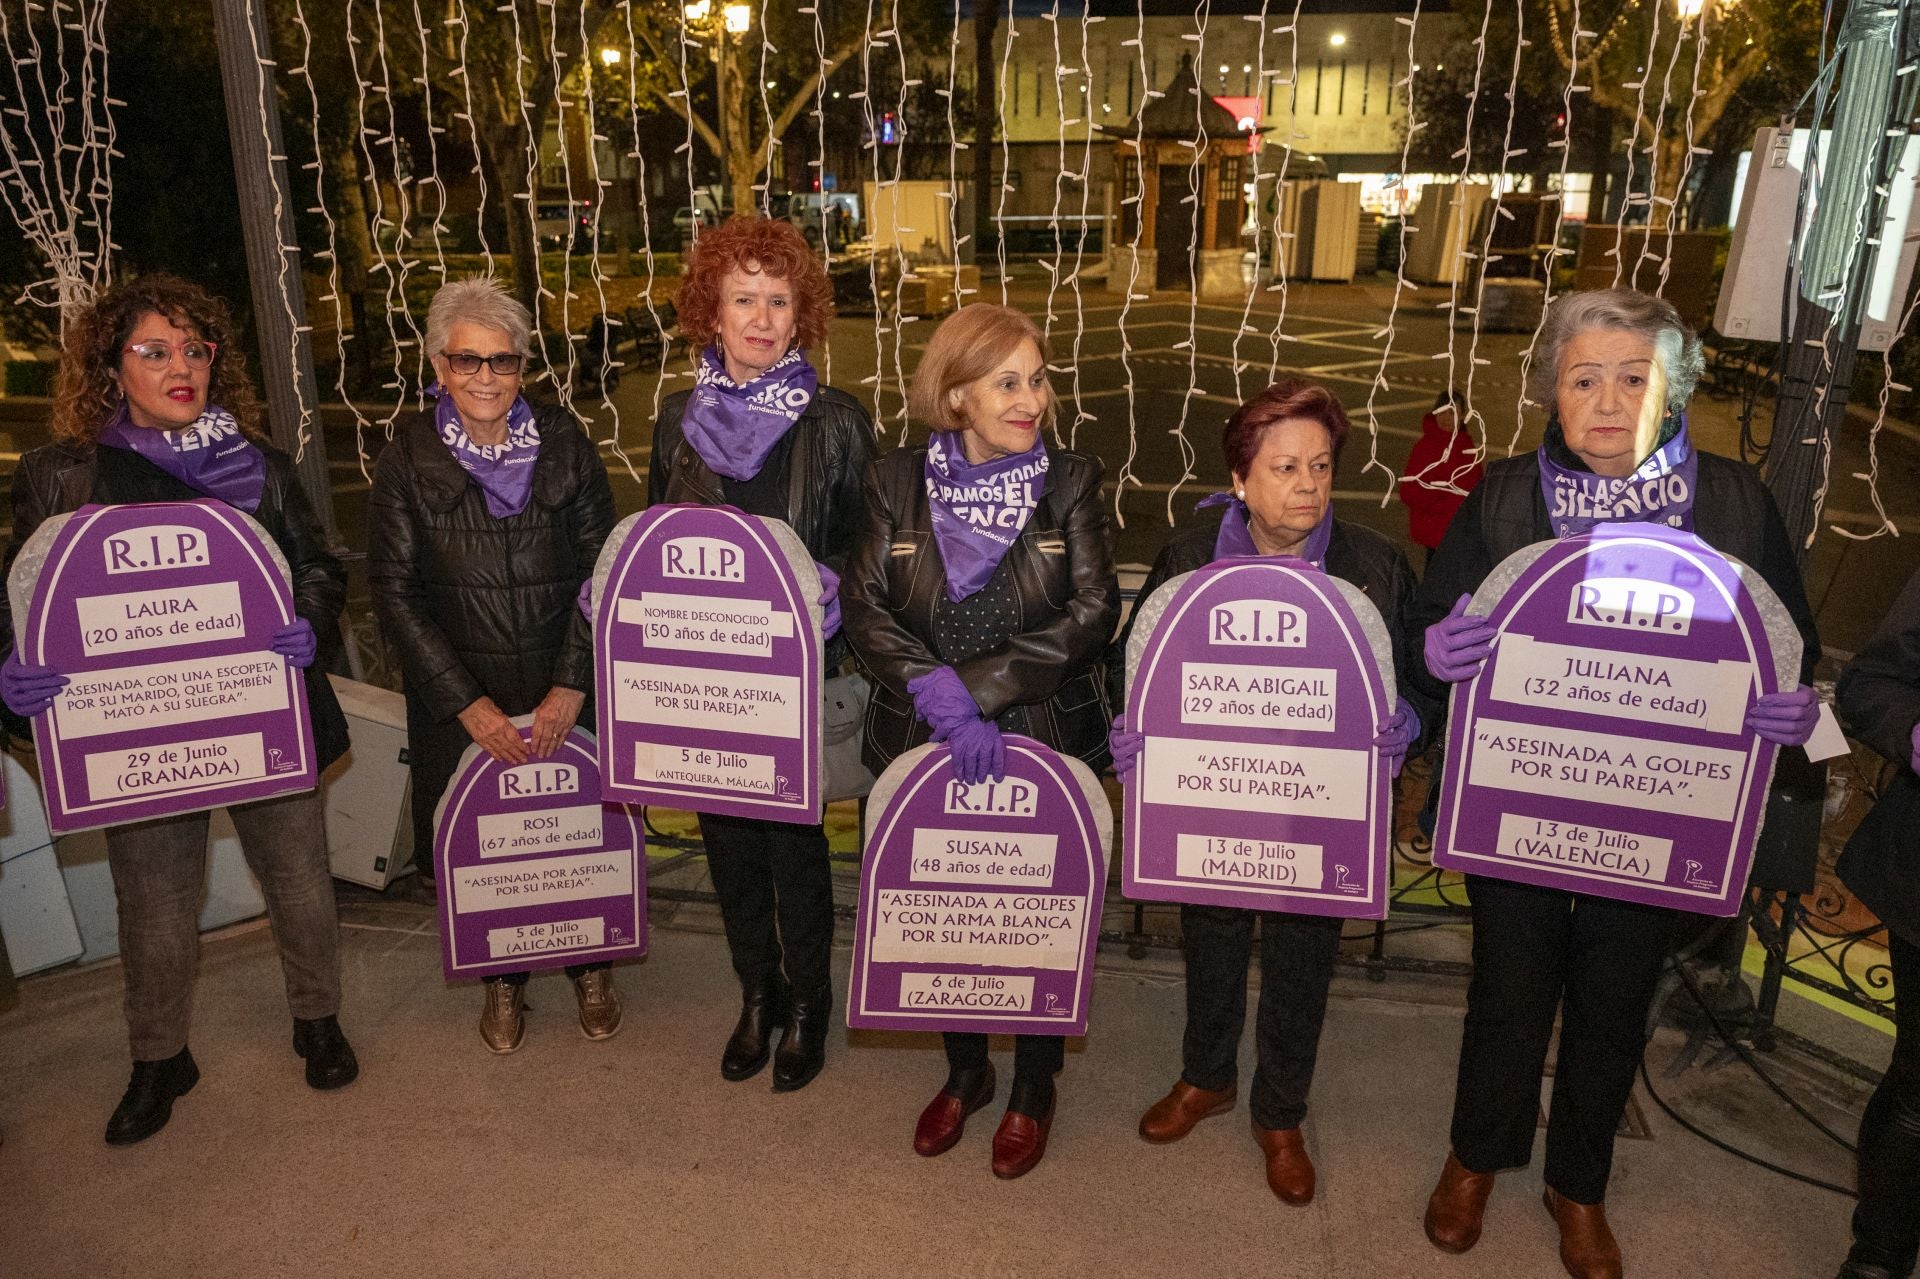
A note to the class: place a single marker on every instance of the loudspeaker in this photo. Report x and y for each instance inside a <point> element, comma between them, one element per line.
<point>368,793</point>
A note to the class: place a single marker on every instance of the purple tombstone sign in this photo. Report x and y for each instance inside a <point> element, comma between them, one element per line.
<point>707,655</point>
<point>980,905</point>
<point>1260,685</point>
<point>161,615</point>
<point>535,869</point>
<point>1601,748</point>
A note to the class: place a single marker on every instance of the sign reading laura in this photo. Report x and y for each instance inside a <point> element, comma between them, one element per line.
<point>707,652</point>
<point>161,616</point>
<point>980,905</point>
<point>1601,748</point>
<point>535,869</point>
<point>1260,685</point>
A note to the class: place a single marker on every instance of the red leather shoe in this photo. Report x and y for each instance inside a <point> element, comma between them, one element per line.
<point>1289,1169</point>
<point>1588,1249</point>
<point>1019,1143</point>
<point>945,1118</point>
<point>1458,1206</point>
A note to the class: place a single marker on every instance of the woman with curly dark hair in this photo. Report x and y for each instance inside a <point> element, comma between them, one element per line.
<point>758,432</point>
<point>152,404</point>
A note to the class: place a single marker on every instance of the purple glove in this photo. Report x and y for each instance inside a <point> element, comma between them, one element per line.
<point>943,701</point>
<point>979,752</point>
<point>1397,736</point>
<point>296,642</point>
<point>1785,719</point>
<point>1458,645</point>
<point>1126,746</point>
<point>28,690</point>
<point>829,600</point>
<point>584,600</point>
<point>1914,762</point>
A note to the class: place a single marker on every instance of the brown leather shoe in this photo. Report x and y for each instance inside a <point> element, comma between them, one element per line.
<point>1289,1170</point>
<point>945,1118</point>
<point>1019,1143</point>
<point>1174,1115</point>
<point>1457,1206</point>
<point>1588,1249</point>
<point>599,1003</point>
<point>503,1023</point>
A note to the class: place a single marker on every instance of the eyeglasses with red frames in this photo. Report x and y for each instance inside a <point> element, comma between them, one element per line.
<point>158,353</point>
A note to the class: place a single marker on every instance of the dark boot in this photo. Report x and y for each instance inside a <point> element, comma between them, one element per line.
<point>761,1009</point>
<point>148,1102</point>
<point>330,1059</point>
<point>803,1048</point>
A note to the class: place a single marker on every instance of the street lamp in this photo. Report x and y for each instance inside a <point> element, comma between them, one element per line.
<point>1689,9</point>
<point>1337,39</point>
<point>738,16</point>
<point>698,11</point>
<point>610,56</point>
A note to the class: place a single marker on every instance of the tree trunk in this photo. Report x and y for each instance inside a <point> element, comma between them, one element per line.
<point>353,249</point>
<point>986,22</point>
<point>504,149</point>
<point>742,161</point>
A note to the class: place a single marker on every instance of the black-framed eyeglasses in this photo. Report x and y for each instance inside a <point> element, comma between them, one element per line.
<point>157,353</point>
<point>503,364</point>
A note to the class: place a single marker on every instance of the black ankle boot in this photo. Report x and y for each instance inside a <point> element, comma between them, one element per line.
<point>803,1048</point>
<point>330,1059</point>
<point>761,1009</point>
<point>148,1102</point>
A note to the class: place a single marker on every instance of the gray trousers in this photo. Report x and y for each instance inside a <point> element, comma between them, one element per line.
<point>159,877</point>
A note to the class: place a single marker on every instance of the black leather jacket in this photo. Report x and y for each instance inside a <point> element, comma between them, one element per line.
<point>1062,570</point>
<point>1879,700</point>
<point>477,606</point>
<point>63,476</point>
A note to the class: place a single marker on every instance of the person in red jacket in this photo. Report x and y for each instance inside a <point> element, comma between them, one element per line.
<point>1441,471</point>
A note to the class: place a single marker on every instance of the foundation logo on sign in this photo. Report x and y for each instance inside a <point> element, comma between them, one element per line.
<point>157,546</point>
<point>1257,624</point>
<point>1004,798</point>
<point>529,780</point>
<point>703,559</point>
<point>1631,604</point>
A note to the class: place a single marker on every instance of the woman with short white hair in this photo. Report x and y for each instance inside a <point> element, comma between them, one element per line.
<point>1616,370</point>
<point>486,517</point>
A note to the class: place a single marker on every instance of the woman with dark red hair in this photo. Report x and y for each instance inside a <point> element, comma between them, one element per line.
<point>758,432</point>
<point>1281,449</point>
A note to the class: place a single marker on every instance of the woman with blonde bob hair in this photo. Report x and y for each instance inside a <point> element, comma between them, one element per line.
<point>980,597</point>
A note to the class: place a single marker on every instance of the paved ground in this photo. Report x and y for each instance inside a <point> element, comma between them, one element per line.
<point>633,1156</point>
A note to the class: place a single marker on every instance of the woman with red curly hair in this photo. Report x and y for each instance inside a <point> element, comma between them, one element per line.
<point>152,404</point>
<point>758,432</point>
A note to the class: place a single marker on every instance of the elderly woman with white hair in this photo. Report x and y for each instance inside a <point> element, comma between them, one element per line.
<point>1616,369</point>
<point>486,517</point>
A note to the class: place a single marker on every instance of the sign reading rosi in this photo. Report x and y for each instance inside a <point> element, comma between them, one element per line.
<point>160,615</point>
<point>1602,747</point>
<point>980,905</point>
<point>707,654</point>
<point>535,869</point>
<point>1260,685</point>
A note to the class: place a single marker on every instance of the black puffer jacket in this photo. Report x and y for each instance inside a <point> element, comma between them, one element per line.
<point>1355,553</point>
<point>1062,573</point>
<point>1879,699</point>
<point>61,477</point>
<point>476,606</point>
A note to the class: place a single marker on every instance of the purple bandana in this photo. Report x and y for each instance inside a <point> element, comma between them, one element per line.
<point>504,472</point>
<point>1660,490</point>
<point>979,511</point>
<point>1235,538</point>
<point>733,427</point>
<point>209,456</point>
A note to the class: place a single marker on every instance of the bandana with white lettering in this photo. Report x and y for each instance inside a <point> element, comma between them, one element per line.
<point>1235,538</point>
<point>503,471</point>
<point>979,511</point>
<point>1660,490</point>
<point>734,426</point>
<point>210,456</point>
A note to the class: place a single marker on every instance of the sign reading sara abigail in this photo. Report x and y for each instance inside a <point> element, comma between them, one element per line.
<point>980,905</point>
<point>536,870</point>
<point>1260,685</point>
<point>1601,748</point>
<point>707,655</point>
<point>161,615</point>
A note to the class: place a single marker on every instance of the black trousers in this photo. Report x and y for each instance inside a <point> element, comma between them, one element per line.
<point>1537,951</point>
<point>1886,1225</point>
<point>1297,955</point>
<point>573,970</point>
<point>776,901</point>
<point>1036,1058</point>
